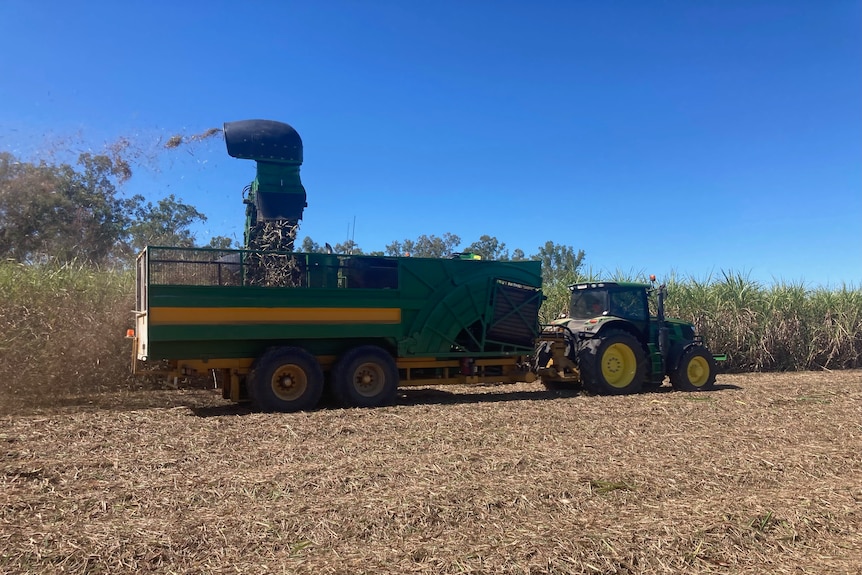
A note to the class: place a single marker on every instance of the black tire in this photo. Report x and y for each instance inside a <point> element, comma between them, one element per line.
<point>695,370</point>
<point>541,356</point>
<point>540,359</point>
<point>612,364</point>
<point>285,379</point>
<point>365,376</point>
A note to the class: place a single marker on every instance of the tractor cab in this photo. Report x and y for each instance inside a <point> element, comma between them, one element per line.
<point>626,300</point>
<point>595,305</point>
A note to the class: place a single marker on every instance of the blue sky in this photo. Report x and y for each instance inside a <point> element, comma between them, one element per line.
<point>687,137</point>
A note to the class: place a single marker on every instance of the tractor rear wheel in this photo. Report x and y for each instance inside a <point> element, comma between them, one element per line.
<point>612,364</point>
<point>285,379</point>
<point>695,372</point>
<point>365,376</point>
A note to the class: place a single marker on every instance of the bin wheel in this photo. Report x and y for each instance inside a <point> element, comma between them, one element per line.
<point>285,379</point>
<point>365,376</point>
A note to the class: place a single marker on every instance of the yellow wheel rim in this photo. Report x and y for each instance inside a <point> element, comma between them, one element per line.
<point>619,365</point>
<point>698,371</point>
<point>369,379</point>
<point>289,382</point>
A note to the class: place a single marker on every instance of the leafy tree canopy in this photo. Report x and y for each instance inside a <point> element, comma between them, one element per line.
<point>63,212</point>
<point>167,223</point>
<point>346,247</point>
<point>222,243</point>
<point>560,262</point>
<point>425,246</point>
<point>310,246</point>
<point>489,248</point>
<point>60,211</point>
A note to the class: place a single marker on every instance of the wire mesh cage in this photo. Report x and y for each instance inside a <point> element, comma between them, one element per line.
<point>210,267</point>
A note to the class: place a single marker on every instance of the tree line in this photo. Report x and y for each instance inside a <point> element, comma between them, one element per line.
<point>559,262</point>
<point>62,212</point>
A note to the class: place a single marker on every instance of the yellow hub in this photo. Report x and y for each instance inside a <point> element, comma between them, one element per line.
<point>369,379</point>
<point>289,382</point>
<point>619,365</point>
<point>698,371</point>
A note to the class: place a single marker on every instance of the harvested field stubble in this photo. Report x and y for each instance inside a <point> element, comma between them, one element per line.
<point>762,476</point>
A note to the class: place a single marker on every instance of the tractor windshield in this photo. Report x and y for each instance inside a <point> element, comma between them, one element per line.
<point>587,304</point>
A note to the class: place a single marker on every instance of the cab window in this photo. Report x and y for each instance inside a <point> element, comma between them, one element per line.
<point>629,304</point>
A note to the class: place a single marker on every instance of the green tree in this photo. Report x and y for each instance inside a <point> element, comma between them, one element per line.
<point>490,248</point>
<point>61,213</point>
<point>348,247</point>
<point>95,214</point>
<point>560,268</point>
<point>310,246</point>
<point>425,246</point>
<point>166,223</point>
<point>397,248</point>
<point>221,243</point>
<point>559,262</point>
<point>26,205</point>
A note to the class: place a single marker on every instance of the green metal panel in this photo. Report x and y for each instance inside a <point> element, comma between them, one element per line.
<point>277,192</point>
<point>444,307</point>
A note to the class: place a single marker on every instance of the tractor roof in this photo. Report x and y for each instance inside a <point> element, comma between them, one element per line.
<point>605,285</point>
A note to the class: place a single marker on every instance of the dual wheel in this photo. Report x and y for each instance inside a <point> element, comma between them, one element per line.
<point>291,379</point>
<point>617,364</point>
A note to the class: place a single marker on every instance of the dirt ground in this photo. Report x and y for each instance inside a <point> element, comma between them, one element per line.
<point>763,475</point>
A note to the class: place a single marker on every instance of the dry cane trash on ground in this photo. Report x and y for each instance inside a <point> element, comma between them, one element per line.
<point>763,475</point>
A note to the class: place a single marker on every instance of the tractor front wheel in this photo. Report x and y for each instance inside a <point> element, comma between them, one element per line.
<point>695,372</point>
<point>612,364</point>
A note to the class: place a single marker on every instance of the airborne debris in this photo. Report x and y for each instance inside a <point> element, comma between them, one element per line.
<point>120,152</point>
<point>178,139</point>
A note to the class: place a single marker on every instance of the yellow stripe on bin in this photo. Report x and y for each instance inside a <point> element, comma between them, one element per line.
<point>270,315</point>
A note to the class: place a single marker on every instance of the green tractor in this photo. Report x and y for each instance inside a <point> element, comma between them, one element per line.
<point>610,344</point>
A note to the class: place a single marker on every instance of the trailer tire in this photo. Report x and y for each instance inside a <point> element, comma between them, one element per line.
<point>365,376</point>
<point>612,364</point>
<point>285,379</point>
<point>695,370</point>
